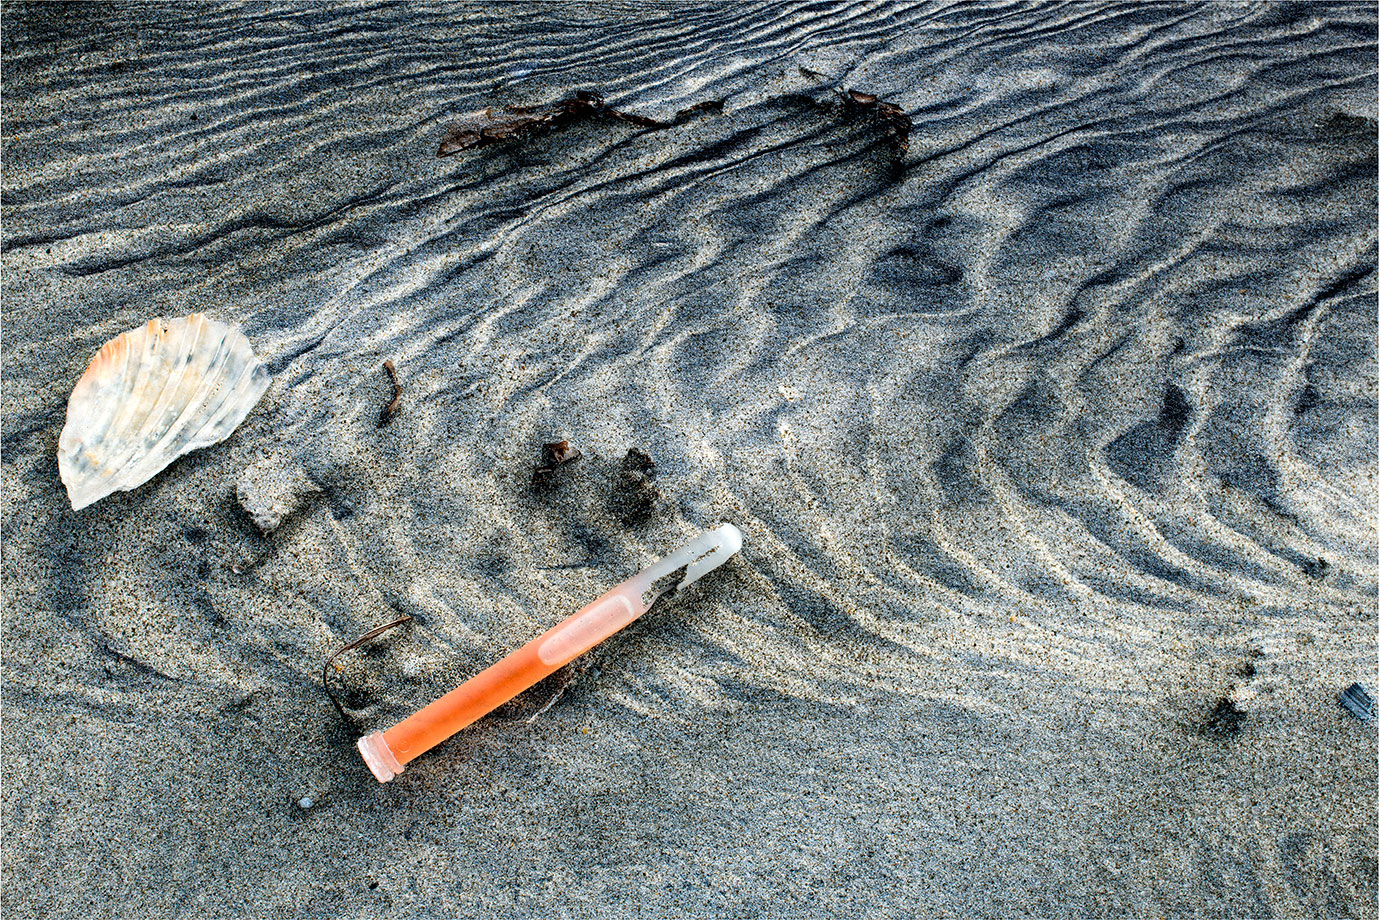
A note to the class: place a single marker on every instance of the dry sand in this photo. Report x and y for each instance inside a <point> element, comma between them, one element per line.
<point>1053,440</point>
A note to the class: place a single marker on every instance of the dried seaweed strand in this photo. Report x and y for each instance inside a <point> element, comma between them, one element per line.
<point>889,115</point>
<point>326,668</point>
<point>493,126</point>
<point>553,455</point>
<point>392,407</point>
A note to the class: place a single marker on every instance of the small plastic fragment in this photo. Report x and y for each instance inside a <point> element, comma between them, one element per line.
<point>1358,702</point>
<point>305,802</point>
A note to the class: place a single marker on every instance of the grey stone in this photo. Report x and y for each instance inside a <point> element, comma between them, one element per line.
<point>271,490</point>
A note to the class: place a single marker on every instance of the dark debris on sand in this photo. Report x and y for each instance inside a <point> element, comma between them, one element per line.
<point>1342,125</point>
<point>553,456</point>
<point>350,646</point>
<point>891,117</point>
<point>386,415</point>
<point>494,126</point>
<point>497,125</point>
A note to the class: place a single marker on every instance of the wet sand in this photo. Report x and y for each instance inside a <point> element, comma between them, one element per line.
<point>1052,438</point>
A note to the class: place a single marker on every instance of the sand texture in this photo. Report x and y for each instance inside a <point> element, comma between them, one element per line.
<point>1051,429</point>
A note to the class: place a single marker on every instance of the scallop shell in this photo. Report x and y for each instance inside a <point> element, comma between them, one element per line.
<point>151,395</point>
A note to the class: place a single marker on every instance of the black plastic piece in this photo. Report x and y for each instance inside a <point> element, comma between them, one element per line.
<point>1358,702</point>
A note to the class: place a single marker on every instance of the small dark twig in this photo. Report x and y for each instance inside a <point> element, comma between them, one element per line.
<point>392,407</point>
<point>326,668</point>
<point>708,105</point>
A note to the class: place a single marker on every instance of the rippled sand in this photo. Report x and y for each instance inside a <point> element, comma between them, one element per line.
<point>1053,440</point>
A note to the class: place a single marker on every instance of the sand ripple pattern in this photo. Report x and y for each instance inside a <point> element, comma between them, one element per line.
<point>1046,437</point>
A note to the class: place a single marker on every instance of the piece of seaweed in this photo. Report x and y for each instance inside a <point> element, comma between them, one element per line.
<point>890,116</point>
<point>326,668</point>
<point>497,125</point>
<point>494,126</point>
<point>391,409</point>
<point>553,455</point>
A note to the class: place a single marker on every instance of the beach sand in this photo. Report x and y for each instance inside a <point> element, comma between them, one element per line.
<point>1052,438</point>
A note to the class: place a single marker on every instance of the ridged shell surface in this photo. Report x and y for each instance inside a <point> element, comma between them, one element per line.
<point>151,395</point>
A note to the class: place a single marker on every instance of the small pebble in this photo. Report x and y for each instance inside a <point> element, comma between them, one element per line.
<point>270,491</point>
<point>305,802</point>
